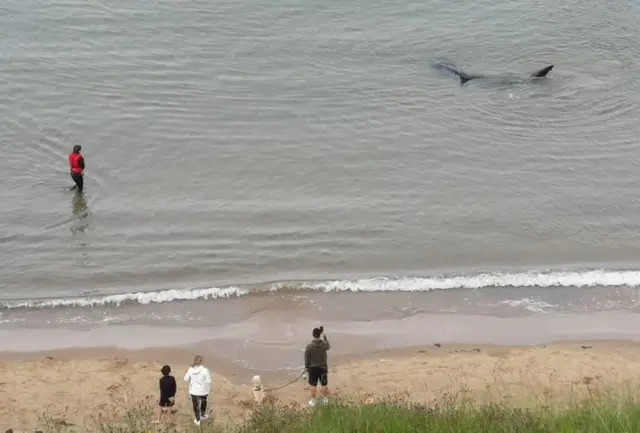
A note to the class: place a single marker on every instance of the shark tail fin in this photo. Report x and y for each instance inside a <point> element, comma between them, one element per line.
<point>542,72</point>
<point>464,78</point>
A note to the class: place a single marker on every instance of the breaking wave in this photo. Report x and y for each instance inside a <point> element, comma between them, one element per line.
<point>601,277</point>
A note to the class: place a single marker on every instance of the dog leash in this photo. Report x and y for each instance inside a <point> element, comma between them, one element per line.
<point>285,385</point>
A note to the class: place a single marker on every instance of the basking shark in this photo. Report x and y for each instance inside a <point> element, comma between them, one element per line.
<point>504,79</point>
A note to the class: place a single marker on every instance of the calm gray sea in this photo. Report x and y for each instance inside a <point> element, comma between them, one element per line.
<point>247,156</point>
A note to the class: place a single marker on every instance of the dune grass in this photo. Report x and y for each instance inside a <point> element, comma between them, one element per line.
<point>395,415</point>
<point>392,418</point>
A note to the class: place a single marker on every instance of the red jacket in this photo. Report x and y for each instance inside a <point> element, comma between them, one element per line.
<point>76,162</point>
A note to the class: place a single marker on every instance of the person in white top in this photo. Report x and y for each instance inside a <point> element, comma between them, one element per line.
<point>199,379</point>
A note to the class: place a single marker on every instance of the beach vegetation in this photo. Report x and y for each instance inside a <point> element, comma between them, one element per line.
<point>394,414</point>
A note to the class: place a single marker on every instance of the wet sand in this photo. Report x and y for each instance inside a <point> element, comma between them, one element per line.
<point>76,385</point>
<point>274,340</point>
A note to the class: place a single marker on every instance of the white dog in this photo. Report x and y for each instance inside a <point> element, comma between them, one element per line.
<point>258,390</point>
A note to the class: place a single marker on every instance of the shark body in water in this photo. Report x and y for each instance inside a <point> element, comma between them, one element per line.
<point>502,79</point>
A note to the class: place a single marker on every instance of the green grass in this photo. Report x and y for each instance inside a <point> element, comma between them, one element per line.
<point>396,415</point>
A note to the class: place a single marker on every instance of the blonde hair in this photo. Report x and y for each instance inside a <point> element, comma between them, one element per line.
<point>197,360</point>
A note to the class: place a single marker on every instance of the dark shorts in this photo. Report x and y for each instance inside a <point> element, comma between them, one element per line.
<point>318,374</point>
<point>165,402</point>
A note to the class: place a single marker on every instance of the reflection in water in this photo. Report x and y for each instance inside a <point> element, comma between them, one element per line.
<point>81,212</point>
<point>79,226</point>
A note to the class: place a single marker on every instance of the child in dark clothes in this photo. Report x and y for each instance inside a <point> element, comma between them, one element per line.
<point>167,394</point>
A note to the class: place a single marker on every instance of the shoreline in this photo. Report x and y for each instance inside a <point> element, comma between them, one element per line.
<point>33,383</point>
<point>244,343</point>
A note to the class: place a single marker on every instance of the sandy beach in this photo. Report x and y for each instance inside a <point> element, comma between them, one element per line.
<point>75,386</point>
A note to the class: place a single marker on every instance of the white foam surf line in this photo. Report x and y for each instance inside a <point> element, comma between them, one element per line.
<point>601,277</point>
<point>139,297</point>
<point>532,305</point>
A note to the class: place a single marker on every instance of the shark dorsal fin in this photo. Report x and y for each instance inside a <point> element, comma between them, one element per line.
<point>542,72</point>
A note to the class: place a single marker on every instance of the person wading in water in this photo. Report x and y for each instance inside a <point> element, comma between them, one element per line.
<point>76,164</point>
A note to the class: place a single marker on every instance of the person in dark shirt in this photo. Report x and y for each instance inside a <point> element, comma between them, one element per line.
<point>315,362</point>
<point>167,393</point>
